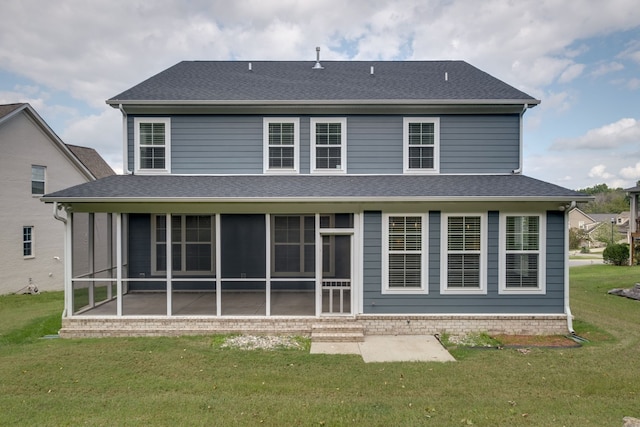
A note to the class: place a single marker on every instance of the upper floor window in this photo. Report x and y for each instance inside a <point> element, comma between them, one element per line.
<point>463,254</point>
<point>421,144</point>
<point>37,180</point>
<point>404,261</point>
<point>152,140</point>
<point>281,144</point>
<point>522,260</point>
<point>329,145</point>
<point>27,242</point>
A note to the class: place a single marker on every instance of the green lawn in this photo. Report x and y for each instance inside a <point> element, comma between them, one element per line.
<point>192,381</point>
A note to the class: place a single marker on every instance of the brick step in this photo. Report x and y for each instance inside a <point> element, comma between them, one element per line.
<point>337,332</point>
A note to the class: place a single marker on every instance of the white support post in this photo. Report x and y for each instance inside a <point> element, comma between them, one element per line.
<point>119,263</point>
<point>318,267</point>
<point>68,265</point>
<point>267,218</point>
<point>91,230</point>
<point>218,267</point>
<point>110,253</point>
<point>169,264</point>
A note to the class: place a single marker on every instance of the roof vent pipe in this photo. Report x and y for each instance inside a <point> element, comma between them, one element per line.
<point>446,76</point>
<point>250,67</point>
<point>318,66</point>
<point>372,70</point>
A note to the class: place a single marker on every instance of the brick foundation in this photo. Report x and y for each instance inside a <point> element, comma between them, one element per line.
<point>78,327</point>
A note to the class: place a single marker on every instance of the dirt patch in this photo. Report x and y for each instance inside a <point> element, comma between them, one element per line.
<point>559,341</point>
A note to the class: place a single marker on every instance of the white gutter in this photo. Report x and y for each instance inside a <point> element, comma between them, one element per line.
<point>125,142</point>
<point>56,215</point>
<point>345,199</point>
<point>567,309</point>
<point>518,171</point>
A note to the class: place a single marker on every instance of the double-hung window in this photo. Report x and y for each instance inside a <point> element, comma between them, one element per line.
<point>281,145</point>
<point>463,254</point>
<point>27,242</point>
<point>192,244</point>
<point>421,144</point>
<point>293,240</point>
<point>328,145</point>
<point>37,180</point>
<point>404,262</point>
<point>152,141</point>
<point>522,260</point>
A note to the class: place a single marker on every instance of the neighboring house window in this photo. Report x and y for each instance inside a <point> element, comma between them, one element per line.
<point>152,140</point>
<point>329,145</point>
<point>404,253</point>
<point>193,243</point>
<point>522,257</point>
<point>293,245</point>
<point>581,225</point>
<point>281,142</point>
<point>27,242</point>
<point>464,252</point>
<point>421,144</point>
<point>38,180</point>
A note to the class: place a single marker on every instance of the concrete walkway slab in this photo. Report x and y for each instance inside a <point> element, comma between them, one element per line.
<point>390,348</point>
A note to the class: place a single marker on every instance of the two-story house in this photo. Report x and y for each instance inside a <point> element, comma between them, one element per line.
<point>277,195</point>
<point>35,161</point>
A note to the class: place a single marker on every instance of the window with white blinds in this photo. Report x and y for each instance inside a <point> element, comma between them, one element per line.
<point>421,137</point>
<point>521,253</point>
<point>464,247</point>
<point>404,246</point>
<point>152,145</point>
<point>281,142</point>
<point>328,145</point>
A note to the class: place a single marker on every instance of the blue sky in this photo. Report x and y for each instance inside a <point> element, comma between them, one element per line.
<point>581,58</point>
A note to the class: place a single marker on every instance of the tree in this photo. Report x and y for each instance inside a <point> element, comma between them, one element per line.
<point>603,234</point>
<point>607,200</point>
<point>577,238</point>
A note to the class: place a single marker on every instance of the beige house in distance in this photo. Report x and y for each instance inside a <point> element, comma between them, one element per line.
<point>35,161</point>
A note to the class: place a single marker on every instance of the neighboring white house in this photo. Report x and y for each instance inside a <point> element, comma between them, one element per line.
<point>35,161</point>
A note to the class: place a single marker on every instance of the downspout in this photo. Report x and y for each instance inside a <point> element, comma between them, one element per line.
<point>125,153</point>
<point>67,259</point>
<point>518,171</point>
<point>567,309</point>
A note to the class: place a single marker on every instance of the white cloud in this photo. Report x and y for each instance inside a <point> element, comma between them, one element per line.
<point>633,83</point>
<point>571,72</point>
<point>599,172</point>
<point>631,172</point>
<point>607,68</point>
<point>610,136</point>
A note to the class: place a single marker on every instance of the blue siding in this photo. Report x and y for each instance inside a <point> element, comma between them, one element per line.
<point>374,144</point>
<point>231,144</point>
<point>434,302</point>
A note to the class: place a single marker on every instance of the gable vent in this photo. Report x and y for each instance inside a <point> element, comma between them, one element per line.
<point>318,66</point>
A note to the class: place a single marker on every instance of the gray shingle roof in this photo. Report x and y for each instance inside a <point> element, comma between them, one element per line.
<point>6,109</point>
<point>232,81</point>
<point>257,188</point>
<point>92,161</point>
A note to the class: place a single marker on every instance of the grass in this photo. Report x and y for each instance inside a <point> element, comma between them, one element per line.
<point>193,381</point>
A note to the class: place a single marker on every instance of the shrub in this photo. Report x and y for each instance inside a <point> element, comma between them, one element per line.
<point>616,254</point>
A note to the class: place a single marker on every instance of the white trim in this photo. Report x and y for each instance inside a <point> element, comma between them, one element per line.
<point>119,264</point>
<point>444,252</point>
<point>296,145</point>
<point>136,145</point>
<point>436,144</point>
<point>424,256</point>
<point>32,242</point>
<point>542,256</point>
<point>343,145</point>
